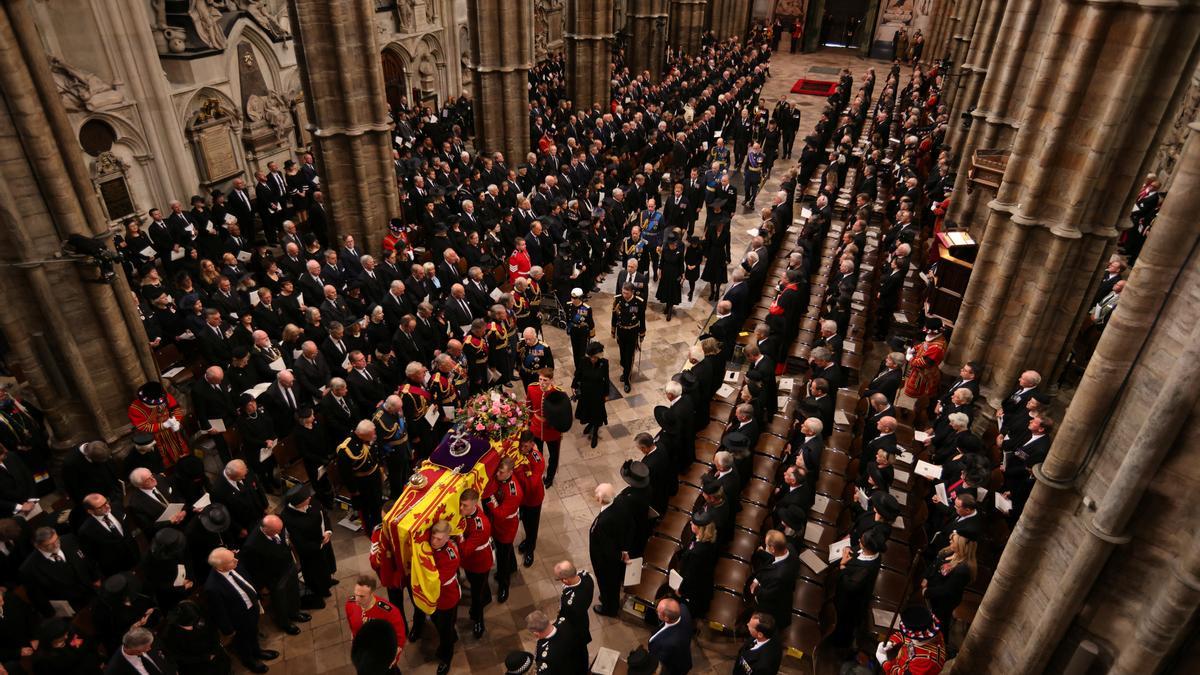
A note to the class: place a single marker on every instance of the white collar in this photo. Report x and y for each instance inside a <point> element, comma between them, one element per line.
<point>781,557</point>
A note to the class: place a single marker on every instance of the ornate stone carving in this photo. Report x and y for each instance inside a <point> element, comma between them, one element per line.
<point>1167,155</point>
<point>431,11</point>
<point>548,18</point>
<point>405,18</point>
<point>275,111</point>
<point>81,90</point>
<point>269,14</point>
<point>206,19</point>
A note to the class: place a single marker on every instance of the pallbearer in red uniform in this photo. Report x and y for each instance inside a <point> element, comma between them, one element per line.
<point>923,363</point>
<point>158,413</point>
<point>545,435</point>
<point>529,476</point>
<point>502,507</point>
<point>475,544</point>
<point>445,615</point>
<point>917,648</point>
<point>364,605</point>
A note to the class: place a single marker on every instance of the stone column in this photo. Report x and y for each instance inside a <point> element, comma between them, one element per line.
<point>647,36</point>
<point>1068,183</point>
<point>974,69</point>
<point>342,75</point>
<point>501,56</point>
<point>959,45</point>
<point>729,18</point>
<point>588,41</point>
<point>687,25</point>
<point>935,46</point>
<point>1142,345</point>
<point>76,339</point>
<point>994,120</point>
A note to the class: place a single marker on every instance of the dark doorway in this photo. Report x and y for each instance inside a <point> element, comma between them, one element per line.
<point>843,23</point>
<point>395,84</point>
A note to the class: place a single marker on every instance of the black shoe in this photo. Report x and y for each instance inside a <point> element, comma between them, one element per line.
<point>595,437</point>
<point>414,633</point>
<point>268,655</point>
<point>628,388</point>
<point>502,595</point>
<point>477,629</point>
<point>521,546</point>
<point>256,666</point>
<point>547,481</point>
<point>528,562</point>
<point>599,609</point>
<point>334,582</point>
<point>303,617</point>
<point>291,629</point>
<point>443,668</point>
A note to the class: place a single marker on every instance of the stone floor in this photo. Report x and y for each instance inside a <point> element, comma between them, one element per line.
<point>324,644</point>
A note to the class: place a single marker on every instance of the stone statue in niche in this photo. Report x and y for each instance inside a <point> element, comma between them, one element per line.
<point>268,14</point>
<point>431,11</point>
<point>274,110</point>
<point>81,90</point>
<point>206,18</point>
<point>405,20</point>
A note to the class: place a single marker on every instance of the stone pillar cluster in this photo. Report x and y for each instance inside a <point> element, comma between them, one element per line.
<point>77,339</point>
<point>1077,152</point>
<point>647,36</point>
<point>960,43</point>
<point>729,18</point>
<point>501,54</point>
<point>943,16</point>
<point>975,66</point>
<point>348,114</point>
<point>687,25</point>
<point>588,41</point>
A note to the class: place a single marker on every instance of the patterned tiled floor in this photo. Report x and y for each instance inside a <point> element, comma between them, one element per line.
<point>324,644</point>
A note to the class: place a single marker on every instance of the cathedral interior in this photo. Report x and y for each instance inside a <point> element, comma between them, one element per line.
<point>906,425</point>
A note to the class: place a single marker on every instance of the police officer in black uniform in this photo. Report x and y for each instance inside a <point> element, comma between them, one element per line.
<point>557,648</point>
<point>581,326</point>
<point>358,465</point>
<point>628,327</point>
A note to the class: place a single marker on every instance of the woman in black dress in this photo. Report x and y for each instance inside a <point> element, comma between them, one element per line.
<point>697,564</point>
<point>258,433</point>
<point>194,645</point>
<point>947,578</point>
<point>855,585</point>
<point>592,380</point>
<point>670,273</point>
<point>693,258</point>
<point>716,243</point>
<point>160,568</point>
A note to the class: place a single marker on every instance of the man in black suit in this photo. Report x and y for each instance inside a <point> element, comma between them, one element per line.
<point>268,316</point>
<point>106,536</point>
<point>663,480</point>
<point>478,292</point>
<point>968,378</point>
<point>631,274</point>
<point>738,294</point>
<point>608,546</point>
<point>806,446</point>
<point>457,311</point>
<point>885,440</point>
<point>820,404</point>
<point>406,342</point>
<point>233,607</point>
<point>671,644</point>
<point>775,571</point>
<point>335,349</point>
<point>282,401</point>
<point>212,401</point>
<point>888,380</point>
<point>823,366</point>
<point>311,285</point>
<point>137,656</point>
<point>878,407</point>
<point>148,497</point>
<point>396,305</point>
<point>764,366</point>
<point>366,389</point>
<point>1012,413</point>
<point>267,558</point>
<point>762,654</point>
<point>239,490</point>
<point>58,570</point>
<point>215,348</point>
<point>312,373</point>
<point>18,491</point>
<point>339,411</point>
<point>796,491</point>
<point>724,330</point>
<point>90,468</point>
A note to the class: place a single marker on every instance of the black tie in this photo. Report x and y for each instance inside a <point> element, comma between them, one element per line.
<point>159,496</point>
<point>110,524</point>
<point>149,664</point>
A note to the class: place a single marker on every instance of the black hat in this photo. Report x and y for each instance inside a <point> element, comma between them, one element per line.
<point>168,543</point>
<point>143,438</point>
<point>793,516</point>
<point>186,613</point>
<point>239,352</point>
<point>918,623</point>
<point>189,467</point>
<point>718,203</point>
<point>885,504</point>
<point>641,662</point>
<point>660,415</point>
<point>635,473</point>
<point>215,518</point>
<point>688,380</point>
<point>969,443</point>
<point>297,494</point>
<point>396,226</point>
<point>594,348</point>
<point>518,663</point>
<point>1042,397</point>
<point>120,586</point>
<point>374,648</point>
<point>556,409</point>
<point>710,486</point>
<point>736,441</point>
<point>154,292</point>
<point>152,393</point>
<point>934,325</point>
<point>52,629</point>
<point>702,517</point>
<point>875,539</point>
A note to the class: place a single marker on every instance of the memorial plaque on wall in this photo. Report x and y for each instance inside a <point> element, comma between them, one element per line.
<point>117,200</point>
<point>217,152</point>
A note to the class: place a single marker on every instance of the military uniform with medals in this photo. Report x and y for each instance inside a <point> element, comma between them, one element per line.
<point>629,327</point>
<point>416,401</point>
<point>581,326</point>
<point>532,359</point>
<point>391,434</point>
<point>361,473</point>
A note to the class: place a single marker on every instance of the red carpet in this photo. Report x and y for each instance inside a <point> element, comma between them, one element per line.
<point>814,87</point>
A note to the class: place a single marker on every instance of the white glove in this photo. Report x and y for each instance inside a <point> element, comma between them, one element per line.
<point>881,654</point>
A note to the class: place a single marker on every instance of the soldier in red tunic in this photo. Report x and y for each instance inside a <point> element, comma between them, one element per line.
<point>917,648</point>
<point>445,615</point>
<point>923,363</point>
<point>529,476</point>
<point>364,605</point>
<point>502,507</point>
<point>475,544</point>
